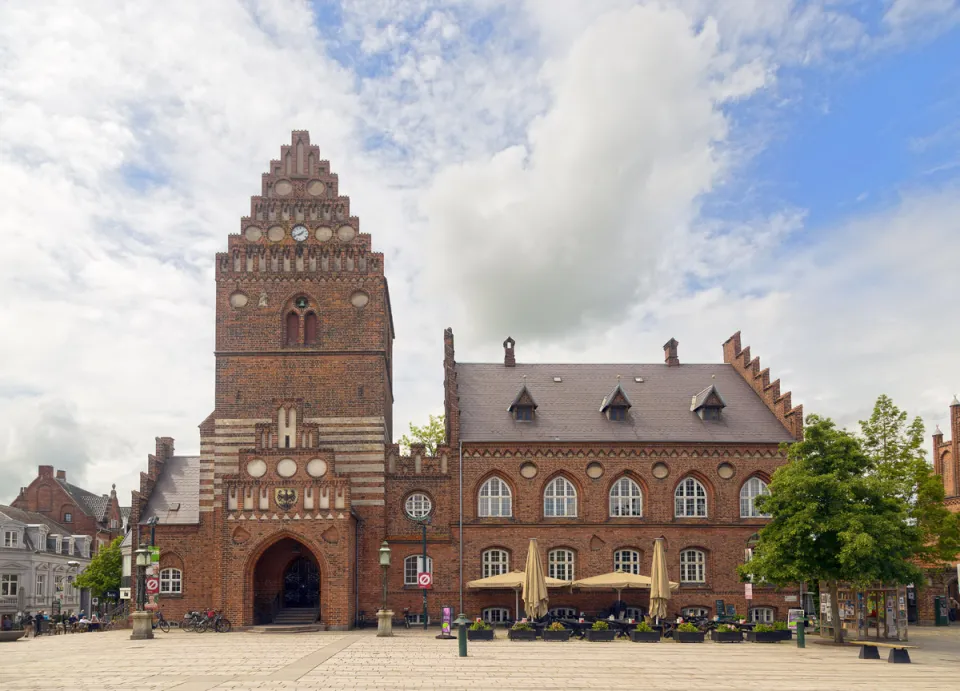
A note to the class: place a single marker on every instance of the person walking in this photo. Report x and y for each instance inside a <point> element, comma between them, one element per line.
<point>954,609</point>
<point>38,624</point>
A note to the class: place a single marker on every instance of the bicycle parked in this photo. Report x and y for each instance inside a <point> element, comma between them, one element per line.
<point>162,622</point>
<point>201,621</point>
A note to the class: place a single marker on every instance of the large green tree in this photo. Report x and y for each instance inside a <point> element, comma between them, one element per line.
<point>431,435</point>
<point>897,449</point>
<point>833,519</point>
<point>104,572</point>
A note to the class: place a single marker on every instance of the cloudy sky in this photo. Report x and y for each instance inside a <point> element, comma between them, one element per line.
<point>590,177</point>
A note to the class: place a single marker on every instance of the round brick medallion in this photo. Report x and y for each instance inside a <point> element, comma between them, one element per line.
<point>283,188</point>
<point>317,467</point>
<point>725,470</point>
<point>276,233</point>
<point>660,470</point>
<point>238,299</point>
<point>256,468</point>
<point>316,188</point>
<point>528,470</point>
<point>253,233</point>
<point>346,233</point>
<point>324,233</point>
<point>286,467</point>
<point>594,470</point>
<point>359,299</point>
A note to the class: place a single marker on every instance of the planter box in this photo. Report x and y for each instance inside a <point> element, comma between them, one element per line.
<point>597,636</point>
<point>11,636</point>
<point>726,636</point>
<point>645,636</point>
<point>522,635</point>
<point>785,635</point>
<point>479,634</point>
<point>764,636</point>
<point>688,636</point>
<point>556,635</point>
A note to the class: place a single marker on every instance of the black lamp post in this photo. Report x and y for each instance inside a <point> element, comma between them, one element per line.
<point>384,564</point>
<point>143,559</point>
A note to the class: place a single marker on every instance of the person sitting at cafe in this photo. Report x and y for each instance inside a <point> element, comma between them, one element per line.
<point>94,622</point>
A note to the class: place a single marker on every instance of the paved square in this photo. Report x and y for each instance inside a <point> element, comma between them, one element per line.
<point>413,660</point>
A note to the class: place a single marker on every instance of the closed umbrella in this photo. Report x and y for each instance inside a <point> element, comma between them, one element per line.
<point>534,583</point>
<point>659,582</point>
<point>514,581</point>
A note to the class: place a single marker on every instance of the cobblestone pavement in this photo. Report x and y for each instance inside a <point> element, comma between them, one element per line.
<point>413,660</point>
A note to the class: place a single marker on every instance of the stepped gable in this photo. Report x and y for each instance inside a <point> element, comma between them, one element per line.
<point>769,391</point>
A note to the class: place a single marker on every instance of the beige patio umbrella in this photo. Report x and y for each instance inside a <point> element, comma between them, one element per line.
<point>534,583</point>
<point>659,582</point>
<point>619,581</point>
<point>514,581</point>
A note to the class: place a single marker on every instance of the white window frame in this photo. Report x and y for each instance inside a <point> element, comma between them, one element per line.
<point>560,499</point>
<point>494,562</point>
<point>40,585</point>
<point>693,566</point>
<point>634,613</point>
<point>494,499</point>
<point>9,584</point>
<point>411,567</point>
<point>68,517</point>
<point>690,499</point>
<point>11,539</point>
<point>761,615</point>
<point>626,498</point>
<point>627,560</point>
<point>495,615</point>
<point>564,612</point>
<point>561,564</point>
<point>695,612</point>
<point>171,581</point>
<point>418,505</point>
<point>752,488</point>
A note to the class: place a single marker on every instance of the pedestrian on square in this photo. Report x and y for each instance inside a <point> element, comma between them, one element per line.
<point>38,624</point>
<point>954,609</point>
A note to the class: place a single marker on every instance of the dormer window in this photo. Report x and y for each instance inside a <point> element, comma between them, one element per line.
<point>523,407</point>
<point>708,403</point>
<point>616,404</point>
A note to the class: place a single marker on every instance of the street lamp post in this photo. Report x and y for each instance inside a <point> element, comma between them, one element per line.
<point>384,616</point>
<point>142,620</point>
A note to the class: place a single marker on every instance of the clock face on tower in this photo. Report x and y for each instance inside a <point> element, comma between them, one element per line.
<point>300,233</point>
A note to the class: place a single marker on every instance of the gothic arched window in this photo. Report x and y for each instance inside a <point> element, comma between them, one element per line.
<point>310,329</point>
<point>293,328</point>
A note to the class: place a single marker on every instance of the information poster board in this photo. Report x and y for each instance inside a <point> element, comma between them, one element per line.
<point>794,616</point>
<point>446,620</point>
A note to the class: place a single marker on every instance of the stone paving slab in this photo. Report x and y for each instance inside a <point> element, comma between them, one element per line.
<point>414,660</point>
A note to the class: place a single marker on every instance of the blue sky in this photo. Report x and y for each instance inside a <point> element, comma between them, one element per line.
<point>640,169</point>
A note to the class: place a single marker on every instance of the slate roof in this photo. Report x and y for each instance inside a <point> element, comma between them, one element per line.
<point>567,410</point>
<point>93,504</point>
<point>701,398</point>
<point>33,518</point>
<point>179,483</point>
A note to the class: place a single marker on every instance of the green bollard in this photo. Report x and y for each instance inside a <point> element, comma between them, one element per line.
<point>461,623</point>
<point>801,633</point>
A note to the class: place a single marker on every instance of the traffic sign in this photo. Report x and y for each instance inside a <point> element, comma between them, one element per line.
<point>424,579</point>
<point>153,586</point>
<point>748,591</point>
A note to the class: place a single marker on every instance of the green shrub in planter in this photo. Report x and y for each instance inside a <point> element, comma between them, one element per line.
<point>556,632</point>
<point>764,634</point>
<point>522,631</point>
<point>644,633</point>
<point>688,633</point>
<point>725,633</point>
<point>480,631</point>
<point>783,630</point>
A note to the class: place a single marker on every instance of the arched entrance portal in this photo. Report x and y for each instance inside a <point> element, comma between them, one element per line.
<point>286,585</point>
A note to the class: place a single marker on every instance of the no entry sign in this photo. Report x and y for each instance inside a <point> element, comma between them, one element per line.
<point>153,586</point>
<point>424,579</point>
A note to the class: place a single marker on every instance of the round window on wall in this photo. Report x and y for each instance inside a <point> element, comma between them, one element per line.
<point>418,505</point>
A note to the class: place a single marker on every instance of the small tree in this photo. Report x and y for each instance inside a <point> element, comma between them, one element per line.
<point>104,572</point>
<point>896,449</point>
<point>431,435</point>
<point>833,519</point>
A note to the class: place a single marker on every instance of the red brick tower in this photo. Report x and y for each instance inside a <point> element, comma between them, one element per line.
<point>292,458</point>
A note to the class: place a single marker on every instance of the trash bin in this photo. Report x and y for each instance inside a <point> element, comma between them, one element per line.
<point>941,615</point>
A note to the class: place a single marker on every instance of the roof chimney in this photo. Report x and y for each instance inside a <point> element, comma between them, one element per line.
<point>61,474</point>
<point>508,357</point>
<point>45,471</point>
<point>670,352</point>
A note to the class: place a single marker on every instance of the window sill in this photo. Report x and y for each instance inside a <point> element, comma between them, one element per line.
<point>171,596</point>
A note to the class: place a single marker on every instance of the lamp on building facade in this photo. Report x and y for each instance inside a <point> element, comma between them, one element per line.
<point>384,616</point>
<point>142,621</point>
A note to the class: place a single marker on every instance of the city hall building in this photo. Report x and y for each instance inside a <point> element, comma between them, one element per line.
<point>297,484</point>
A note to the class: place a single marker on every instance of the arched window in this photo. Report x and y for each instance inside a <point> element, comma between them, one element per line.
<point>495,562</point>
<point>560,564</point>
<point>560,498</point>
<point>412,566</point>
<point>690,499</point>
<point>627,560</point>
<point>761,615</point>
<point>495,499</point>
<point>626,499</point>
<point>310,329</point>
<point>752,488</point>
<point>564,612</point>
<point>693,566</point>
<point>695,612</point>
<point>171,582</point>
<point>293,328</point>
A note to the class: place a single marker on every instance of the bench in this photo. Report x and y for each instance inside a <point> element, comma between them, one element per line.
<point>898,653</point>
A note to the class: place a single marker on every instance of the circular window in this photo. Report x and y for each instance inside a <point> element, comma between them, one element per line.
<point>594,470</point>
<point>660,470</point>
<point>418,505</point>
<point>725,470</point>
<point>276,233</point>
<point>324,233</point>
<point>283,188</point>
<point>528,470</point>
<point>252,233</point>
<point>238,299</point>
<point>316,188</point>
<point>287,467</point>
<point>256,468</point>
<point>346,233</point>
<point>317,467</point>
<point>359,299</point>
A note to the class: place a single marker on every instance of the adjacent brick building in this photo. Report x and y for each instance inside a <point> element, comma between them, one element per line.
<point>98,516</point>
<point>946,464</point>
<point>297,482</point>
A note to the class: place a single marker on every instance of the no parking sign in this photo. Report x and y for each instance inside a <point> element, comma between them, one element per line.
<point>424,579</point>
